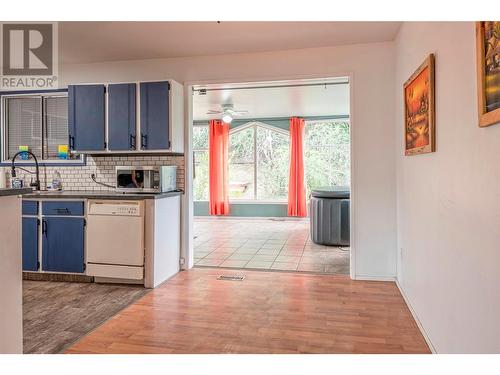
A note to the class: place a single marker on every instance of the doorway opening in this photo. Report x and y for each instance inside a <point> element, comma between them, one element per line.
<point>257,232</point>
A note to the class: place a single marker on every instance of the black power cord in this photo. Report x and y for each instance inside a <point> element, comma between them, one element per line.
<point>100,183</point>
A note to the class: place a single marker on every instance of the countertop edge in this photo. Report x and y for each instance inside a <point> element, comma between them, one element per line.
<point>11,192</point>
<point>100,195</point>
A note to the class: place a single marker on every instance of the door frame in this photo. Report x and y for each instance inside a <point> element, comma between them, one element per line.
<point>187,214</point>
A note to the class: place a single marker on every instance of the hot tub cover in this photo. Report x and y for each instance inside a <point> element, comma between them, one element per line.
<point>331,192</point>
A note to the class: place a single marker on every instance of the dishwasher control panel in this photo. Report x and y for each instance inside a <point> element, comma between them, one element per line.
<point>115,208</point>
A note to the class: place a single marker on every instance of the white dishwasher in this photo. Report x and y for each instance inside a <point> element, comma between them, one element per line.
<point>115,239</point>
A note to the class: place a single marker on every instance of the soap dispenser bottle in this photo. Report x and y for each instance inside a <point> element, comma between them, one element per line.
<point>56,181</point>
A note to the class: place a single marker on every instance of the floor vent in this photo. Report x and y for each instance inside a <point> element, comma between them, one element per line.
<point>231,277</point>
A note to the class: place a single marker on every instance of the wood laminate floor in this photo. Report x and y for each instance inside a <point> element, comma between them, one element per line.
<point>56,314</point>
<point>267,312</point>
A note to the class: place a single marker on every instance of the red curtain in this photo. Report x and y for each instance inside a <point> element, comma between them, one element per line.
<point>296,182</point>
<point>218,167</point>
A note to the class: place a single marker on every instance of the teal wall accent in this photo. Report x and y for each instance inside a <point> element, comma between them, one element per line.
<point>246,209</point>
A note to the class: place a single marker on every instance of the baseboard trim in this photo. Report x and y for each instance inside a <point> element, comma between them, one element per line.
<point>374,278</point>
<point>66,277</point>
<point>251,218</point>
<point>417,320</point>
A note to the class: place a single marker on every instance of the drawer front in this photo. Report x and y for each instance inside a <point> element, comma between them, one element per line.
<point>30,208</point>
<point>62,208</point>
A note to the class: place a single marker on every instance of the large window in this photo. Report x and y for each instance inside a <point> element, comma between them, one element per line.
<point>259,159</point>
<point>38,123</point>
<point>258,163</point>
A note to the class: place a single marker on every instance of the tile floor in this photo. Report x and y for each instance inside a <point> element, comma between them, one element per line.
<point>264,244</point>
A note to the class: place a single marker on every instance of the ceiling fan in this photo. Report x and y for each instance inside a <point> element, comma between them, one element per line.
<point>227,112</point>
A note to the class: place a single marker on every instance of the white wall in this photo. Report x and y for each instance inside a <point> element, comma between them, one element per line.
<point>373,164</point>
<point>449,201</point>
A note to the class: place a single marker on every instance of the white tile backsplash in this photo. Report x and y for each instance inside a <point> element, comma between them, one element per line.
<point>78,177</point>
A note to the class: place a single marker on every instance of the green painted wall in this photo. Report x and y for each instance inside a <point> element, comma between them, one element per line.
<point>246,209</point>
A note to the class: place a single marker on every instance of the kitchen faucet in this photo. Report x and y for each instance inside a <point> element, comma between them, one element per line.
<point>36,184</point>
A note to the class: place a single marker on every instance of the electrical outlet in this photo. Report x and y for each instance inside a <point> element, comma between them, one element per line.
<point>182,261</point>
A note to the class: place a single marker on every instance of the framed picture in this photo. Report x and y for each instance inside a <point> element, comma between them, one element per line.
<point>419,110</point>
<point>488,72</point>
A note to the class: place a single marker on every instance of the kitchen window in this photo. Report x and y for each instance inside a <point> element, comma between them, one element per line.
<point>38,123</point>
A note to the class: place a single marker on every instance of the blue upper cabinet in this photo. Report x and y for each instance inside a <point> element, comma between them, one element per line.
<point>121,117</point>
<point>155,111</point>
<point>86,121</point>
<point>63,244</point>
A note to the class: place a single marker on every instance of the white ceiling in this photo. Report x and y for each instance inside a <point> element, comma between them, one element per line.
<point>275,101</point>
<point>87,42</point>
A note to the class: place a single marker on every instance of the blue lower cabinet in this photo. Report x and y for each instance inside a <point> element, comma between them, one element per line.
<point>30,244</point>
<point>63,244</point>
<point>30,208</point>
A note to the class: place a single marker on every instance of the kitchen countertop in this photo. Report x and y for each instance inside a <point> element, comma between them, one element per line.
<point>65,194</point>
<point>8,192</point>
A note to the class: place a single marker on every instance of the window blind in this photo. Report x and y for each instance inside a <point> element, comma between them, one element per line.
<point>24,125</point>
<point>56,125</point>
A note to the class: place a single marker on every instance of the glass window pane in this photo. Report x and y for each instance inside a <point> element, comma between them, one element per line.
<point>200,138</point>
<point>241,146</point>
<point>56,128</point>
<point>327,154</point>
<point>241,164</point>
<point>273,164</point>
<point>241,185</point>
<point>200,182</point>
<point>24,125</point>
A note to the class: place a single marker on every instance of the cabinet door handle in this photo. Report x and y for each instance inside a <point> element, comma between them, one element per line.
<point>144,140</point>
<point>71,142</point>
<point>132,142</point>
<point>44,226</point>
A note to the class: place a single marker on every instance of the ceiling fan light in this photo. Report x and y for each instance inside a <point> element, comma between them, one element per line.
<point>227,118</point>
